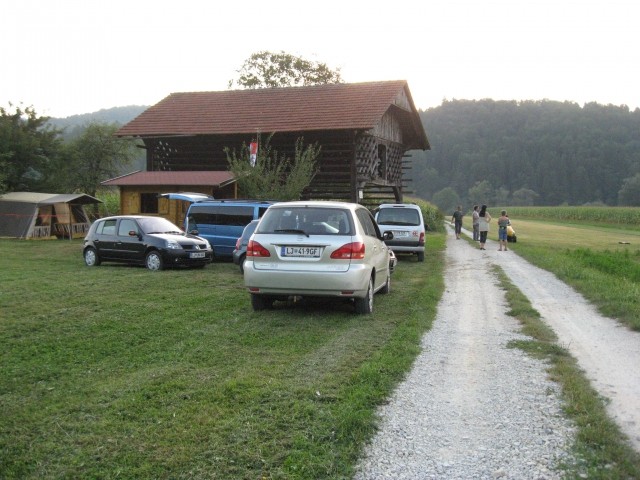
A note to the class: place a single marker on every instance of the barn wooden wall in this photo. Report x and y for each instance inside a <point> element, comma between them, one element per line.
<point>349,160</point>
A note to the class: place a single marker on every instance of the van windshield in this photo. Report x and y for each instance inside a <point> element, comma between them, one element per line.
<point>398,216</point>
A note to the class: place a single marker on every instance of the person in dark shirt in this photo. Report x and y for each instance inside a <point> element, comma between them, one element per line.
<point>456,219</point>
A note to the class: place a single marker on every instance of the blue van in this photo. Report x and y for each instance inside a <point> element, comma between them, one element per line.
<point>221,221</point>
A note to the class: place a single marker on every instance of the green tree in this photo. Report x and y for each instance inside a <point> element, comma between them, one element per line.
<point>446,199</point>
<point>267,69</point>
<point>524,197</point>
<point>501,197</point>
<point>629,194</point>
<point>481,193</point>
<point>28,147</point>
<point>274,176</point>
<point>93,157</point>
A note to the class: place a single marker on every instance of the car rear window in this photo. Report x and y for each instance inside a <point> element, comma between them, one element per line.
<point>309,220</point>
<point>398,216</point>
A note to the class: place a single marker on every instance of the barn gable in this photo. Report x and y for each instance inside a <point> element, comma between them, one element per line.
<point>363,129</point>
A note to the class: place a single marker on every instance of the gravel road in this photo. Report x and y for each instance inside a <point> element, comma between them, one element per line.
<point>471,408</point>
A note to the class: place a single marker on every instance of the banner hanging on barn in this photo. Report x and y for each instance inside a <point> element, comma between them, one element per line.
<point>253,153</point>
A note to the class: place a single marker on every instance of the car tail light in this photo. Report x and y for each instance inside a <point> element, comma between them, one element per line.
<point>254,249</point>
<point>238,243</point>
<point>421,240</point>
<point>348,251</point>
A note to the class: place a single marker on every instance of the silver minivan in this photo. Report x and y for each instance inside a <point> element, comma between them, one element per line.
<point>405,221</point>
<point>317,249</point>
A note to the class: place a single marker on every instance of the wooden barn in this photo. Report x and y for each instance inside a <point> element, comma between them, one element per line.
<point>364,131</point>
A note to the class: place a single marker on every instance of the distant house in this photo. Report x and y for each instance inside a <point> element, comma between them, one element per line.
<point>364,131</point>
<point>30,215</point>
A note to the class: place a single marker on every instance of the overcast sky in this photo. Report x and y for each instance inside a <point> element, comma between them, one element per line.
<point>70,57</point>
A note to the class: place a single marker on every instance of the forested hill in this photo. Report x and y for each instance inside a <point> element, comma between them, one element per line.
<point>75,124</point>
<point>524,153</point>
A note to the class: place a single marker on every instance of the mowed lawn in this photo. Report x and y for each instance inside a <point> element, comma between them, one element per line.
<point>573,235</point>
<point>119,372</point>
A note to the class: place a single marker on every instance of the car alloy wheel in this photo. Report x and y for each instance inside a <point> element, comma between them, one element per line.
<point>154,261</point>
<point>91,257</point>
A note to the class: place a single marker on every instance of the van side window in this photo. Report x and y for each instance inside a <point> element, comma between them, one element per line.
<point>236,216</point>
<point>202,215</point>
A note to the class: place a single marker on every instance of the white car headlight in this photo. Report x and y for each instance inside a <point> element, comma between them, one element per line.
<point>172,244</point>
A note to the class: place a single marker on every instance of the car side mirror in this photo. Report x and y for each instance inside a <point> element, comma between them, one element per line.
<point>133,233</point>
<point>388,235</point>
<point>194,232</point>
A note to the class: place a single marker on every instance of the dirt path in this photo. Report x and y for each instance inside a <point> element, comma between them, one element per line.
<point>608,352</point>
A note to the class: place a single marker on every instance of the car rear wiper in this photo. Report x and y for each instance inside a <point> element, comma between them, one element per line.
<point>291,230</point>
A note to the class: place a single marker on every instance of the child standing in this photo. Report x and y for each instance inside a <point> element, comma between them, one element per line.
<point>503,223</point>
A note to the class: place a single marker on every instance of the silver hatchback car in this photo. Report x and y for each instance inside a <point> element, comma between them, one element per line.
<point>317,249</point>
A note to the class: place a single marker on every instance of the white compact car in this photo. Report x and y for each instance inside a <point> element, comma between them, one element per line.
<point>317,249</point>
<point>405,221</point>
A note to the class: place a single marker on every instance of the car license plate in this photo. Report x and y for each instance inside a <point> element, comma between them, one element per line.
<point>197,255</point>
<point>305,252</point>
<point>401,234</point>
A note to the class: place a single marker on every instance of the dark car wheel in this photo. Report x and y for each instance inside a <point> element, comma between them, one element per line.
<point>261,302</point>
<point>421,256</point>
<point>91,257</point>
<point>387,285</point>
<point>154,261</point>
<point>365,305</point>
<point>241,263</point>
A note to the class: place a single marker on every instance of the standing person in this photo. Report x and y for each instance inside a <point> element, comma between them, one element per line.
<point>456,219</point>
<point>483,225</point>
<point>503,223</point>
<point>475,222</point>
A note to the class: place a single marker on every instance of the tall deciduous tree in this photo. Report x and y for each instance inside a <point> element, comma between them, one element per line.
<point>629,194</point>
<point>274,176</point>
<point>267,69</point>
<point>95,156</point>
<point>28,147</point>
<point>446,199</point>
<point>481,193</point>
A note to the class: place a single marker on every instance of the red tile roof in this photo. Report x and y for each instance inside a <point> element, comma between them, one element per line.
<point>293,109</point>
<point>182,178</point>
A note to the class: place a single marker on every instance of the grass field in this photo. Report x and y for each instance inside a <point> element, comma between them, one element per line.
<point>600,260</point>
<point>575,235</point>
<point>118,372</point>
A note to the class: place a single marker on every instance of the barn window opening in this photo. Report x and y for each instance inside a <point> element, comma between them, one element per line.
<point>382,161</point>
<point>148,203</point>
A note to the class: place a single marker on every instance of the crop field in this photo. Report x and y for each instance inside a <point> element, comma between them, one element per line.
<point>619,216</point>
